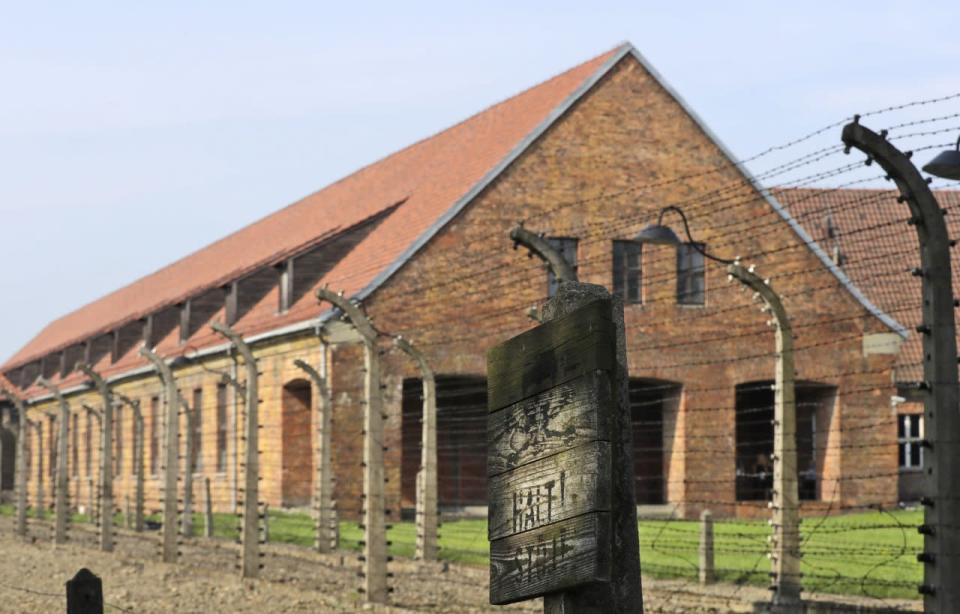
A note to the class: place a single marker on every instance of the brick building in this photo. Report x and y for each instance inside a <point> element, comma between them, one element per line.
<point>420,238</point>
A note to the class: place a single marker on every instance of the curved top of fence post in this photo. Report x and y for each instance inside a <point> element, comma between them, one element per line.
<point>158,363</point>
<point>14,398</point>
<point>355,313</point>
<point>134,404</point>
<point>235,338</point>
<point>52,388</point>
<point>414,353</point>
<point>90,409</point>
<point>546,252</point>
<point>763,289</point>
<point>97,379</point>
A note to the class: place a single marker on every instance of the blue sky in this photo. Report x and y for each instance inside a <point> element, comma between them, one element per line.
<point>131,135</point>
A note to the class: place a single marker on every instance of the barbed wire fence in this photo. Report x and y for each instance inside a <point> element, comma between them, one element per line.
<point>700,443</point>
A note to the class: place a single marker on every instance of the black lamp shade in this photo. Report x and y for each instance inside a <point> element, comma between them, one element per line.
<point>655,233</point>
<point>945,165</point>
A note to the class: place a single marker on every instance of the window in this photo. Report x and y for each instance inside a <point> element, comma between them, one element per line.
<point>690,282</point>
<point>154,434</point>
<point>118,440</point>
<point>568,249</point>
<point>197,420</point>
<point>221,427</point>
<point>910,441</point>
<point>285,285</point>
<point>626,270</point>
<point>754,434</point>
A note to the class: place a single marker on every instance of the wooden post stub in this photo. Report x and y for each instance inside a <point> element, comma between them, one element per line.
<point>707,574</point>
<point>562,514</point>
<point>84,593</point>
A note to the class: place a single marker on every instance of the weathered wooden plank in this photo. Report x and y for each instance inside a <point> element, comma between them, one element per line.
<point>573,413</point>
<point>553,489</point>
<point>555,557</point>
<point>551,354</point>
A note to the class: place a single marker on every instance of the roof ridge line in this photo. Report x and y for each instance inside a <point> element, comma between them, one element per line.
<point>616,55</point>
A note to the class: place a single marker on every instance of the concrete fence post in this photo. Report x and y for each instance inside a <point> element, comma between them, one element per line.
<point>427,512</point>
<point>786,498</point>
<point>106,458</point>
<point>38,429</point>
<point>62,478</point>
<point>207,509</point>
<point>707,573</point>
<point>20,465</point>
<point>170,459</point>
<point>138,461</point>
<point>21,478</point>
<point>94,499</point>
<point>91,497</point>
<point>374,558</point>
<point>250,564</point>
<point>323,478</point>
<point>186,519</point>
<point>941,500</point>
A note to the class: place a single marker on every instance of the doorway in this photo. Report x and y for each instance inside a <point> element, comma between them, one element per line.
<point>297,478</point>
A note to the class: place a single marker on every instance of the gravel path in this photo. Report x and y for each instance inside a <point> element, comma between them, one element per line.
<point>294,579</point>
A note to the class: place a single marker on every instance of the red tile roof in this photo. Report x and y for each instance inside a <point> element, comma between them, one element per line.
<point>429,177</point>
<point>878,250</point>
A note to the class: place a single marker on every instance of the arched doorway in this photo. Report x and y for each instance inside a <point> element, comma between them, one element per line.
<point>297,479</point>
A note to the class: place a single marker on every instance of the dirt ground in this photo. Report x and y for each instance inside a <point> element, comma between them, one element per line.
<point>293,580</point>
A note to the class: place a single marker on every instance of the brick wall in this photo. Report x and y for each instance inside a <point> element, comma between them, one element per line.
<point>600,173</point>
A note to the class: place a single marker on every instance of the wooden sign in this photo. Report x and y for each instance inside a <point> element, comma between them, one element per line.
<point>549,456</point>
